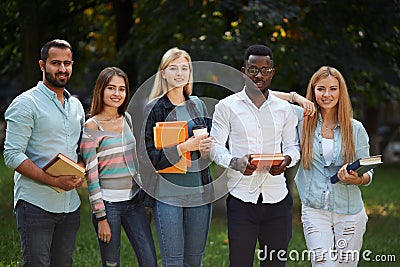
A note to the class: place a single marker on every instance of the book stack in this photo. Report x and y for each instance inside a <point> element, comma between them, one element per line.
<point>361,166</point>
<point>170,133</point>
<point>63,165</point>
<point>265,162</point>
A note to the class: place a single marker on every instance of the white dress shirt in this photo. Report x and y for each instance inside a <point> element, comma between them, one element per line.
<point>248,129</point>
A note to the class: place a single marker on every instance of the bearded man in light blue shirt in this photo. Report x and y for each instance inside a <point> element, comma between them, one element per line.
<point>42,122</point>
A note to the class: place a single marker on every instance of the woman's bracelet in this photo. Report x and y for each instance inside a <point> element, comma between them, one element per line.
<point>291,96</point>
<point>362,180</point>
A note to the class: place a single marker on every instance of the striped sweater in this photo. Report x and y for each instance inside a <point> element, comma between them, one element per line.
<point>111,165</point>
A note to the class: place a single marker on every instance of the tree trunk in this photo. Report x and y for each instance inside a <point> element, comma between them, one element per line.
<point>30,47</point>
<point>123,10</point>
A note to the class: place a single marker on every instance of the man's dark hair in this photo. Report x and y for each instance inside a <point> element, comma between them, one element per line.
<point>257,50</point>
<point>44,52</point>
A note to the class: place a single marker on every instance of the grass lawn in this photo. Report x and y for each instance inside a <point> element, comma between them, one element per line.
<point>381,241</point>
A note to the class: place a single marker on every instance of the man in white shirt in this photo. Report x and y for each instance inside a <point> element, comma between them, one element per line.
<point>253,121</point>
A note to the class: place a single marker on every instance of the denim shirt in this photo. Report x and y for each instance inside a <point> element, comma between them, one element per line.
<point>38,128</point>
<point>312,184</point>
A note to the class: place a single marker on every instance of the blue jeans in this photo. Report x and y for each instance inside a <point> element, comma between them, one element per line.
<point>131,215</point>
<point>47,239</point>
<point>182,233</point>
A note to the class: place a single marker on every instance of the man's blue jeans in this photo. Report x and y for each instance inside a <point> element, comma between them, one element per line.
<point>131,215</point>
<point>182,233</point>
<point>48,239</point>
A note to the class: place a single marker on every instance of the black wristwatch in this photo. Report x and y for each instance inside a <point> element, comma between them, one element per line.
<point>102,218</point>
<point>233,163</point>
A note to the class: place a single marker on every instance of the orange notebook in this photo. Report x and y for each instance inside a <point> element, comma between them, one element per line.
<point>63,165</point>
<point>265,161</point>
<point>172,124</point>
<point>170,133</point>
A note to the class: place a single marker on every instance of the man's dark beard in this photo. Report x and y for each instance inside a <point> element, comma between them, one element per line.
<point>54,81</point>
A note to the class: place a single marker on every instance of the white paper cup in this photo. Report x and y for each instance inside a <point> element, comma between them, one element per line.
<point>199,132</point>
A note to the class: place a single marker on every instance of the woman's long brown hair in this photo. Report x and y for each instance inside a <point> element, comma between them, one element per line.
<point>101,83</point>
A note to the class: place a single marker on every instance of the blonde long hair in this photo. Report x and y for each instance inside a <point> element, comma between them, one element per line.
<point>160,86</point>
<point>344,115</point>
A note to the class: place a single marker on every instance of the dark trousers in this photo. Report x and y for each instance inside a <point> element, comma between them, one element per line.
<point>270,224</point>
<point>47,239</point>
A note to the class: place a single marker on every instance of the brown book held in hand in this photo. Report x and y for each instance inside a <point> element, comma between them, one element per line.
<point>168,134</point>
<point>63,165</point>
<point>264,162</point>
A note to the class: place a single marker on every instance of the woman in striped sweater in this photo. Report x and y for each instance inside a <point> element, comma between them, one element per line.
<point>108,148</point>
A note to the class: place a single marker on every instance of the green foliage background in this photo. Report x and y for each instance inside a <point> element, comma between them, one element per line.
<point>361,38</point>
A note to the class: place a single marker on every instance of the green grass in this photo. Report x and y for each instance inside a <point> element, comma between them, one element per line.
<point>382,202</point>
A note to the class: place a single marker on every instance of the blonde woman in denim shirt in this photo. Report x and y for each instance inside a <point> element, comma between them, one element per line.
<point>333,215</point>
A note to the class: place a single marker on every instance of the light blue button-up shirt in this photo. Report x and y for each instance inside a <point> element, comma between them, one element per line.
<point>38,128</point>
<point>312,184</point>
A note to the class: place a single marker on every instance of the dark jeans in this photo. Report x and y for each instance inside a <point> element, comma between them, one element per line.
<point>270,224</point>
<point>131,215</point>
<point>48,239</point>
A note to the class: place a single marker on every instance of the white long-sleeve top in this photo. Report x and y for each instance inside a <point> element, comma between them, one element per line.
<point>248,129</point>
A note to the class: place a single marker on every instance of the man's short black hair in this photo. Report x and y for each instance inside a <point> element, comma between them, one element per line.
<point>257,50</point>
<point>44,52</point>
